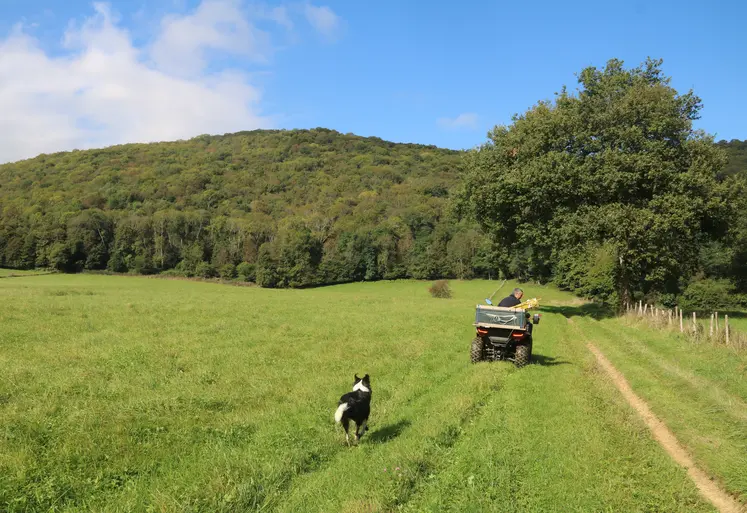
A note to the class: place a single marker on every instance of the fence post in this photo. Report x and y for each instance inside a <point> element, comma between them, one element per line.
<point>726,328</point>
<point>710,332</point>
<point>682,326</point>
<point>695,324</point>
<point>716,314</point>
<point>670,317</point>
<point>640,307</point>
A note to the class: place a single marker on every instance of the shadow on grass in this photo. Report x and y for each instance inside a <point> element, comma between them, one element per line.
<point>547,361</point>
<point>389,432</point>
<point>594,310</point>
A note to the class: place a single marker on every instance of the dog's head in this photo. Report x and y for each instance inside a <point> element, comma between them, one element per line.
<point>363,384</point>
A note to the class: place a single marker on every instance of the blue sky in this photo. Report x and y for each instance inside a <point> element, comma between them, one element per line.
<point>86,74</point>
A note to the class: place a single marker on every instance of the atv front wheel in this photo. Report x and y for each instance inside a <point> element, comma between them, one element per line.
<point>477,351</point>
<point>523,353</point>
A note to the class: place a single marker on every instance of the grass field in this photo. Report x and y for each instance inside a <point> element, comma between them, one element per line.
<point>12,273</point>
<point>137,394</point>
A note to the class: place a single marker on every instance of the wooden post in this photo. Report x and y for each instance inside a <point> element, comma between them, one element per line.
<point>695,324</point>
<point>640,307</point>
<point>726,328</point>
<point>710,332</point>
<point>670,317</point>
<point>682,326</point>
<point>645,309</point>
<point>716,315</point>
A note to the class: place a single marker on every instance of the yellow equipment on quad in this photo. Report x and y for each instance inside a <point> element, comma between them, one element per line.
<point>504,333</point>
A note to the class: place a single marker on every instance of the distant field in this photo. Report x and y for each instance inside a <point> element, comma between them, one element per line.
<point>7,273</point>
<point>136,394</point>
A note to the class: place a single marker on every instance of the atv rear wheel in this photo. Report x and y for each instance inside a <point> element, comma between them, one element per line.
<point>523,354</point>
<point>478,349</point>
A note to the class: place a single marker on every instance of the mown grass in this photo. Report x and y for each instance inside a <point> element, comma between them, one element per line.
<point>698,389</point>
<point>12,273</point>
<point>134,394</point>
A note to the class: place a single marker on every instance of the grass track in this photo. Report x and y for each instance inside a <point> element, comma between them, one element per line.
<point>133,394</point>
<point>559,438</point>
<point>699,391</point>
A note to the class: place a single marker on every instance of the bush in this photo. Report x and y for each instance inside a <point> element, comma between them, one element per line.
<point>710,294</point>
<point>228,272</point>
<point>247,271</point>
<point>205,270</point>
<point>440,289</point>
<point>173,272</point>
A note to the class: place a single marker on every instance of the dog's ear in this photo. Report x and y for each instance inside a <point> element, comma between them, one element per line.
<point>366,378</point>
<point>357,379</point>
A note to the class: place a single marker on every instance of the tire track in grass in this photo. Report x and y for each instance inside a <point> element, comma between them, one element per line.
<point>317,462</point>
<point>552,441</point>
<point>714,438</point>
<point>732,404</point>
<point>707,487</point>
<point>438,420</point>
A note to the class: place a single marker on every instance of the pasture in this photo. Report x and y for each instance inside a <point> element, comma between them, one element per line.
<point>139,394</point>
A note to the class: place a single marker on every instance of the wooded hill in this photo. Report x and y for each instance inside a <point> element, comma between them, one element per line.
<point>736,151</point>
<point>284,208</point>
<point>610,193</point>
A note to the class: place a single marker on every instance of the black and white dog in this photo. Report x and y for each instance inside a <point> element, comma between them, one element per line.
<point>356,406</point>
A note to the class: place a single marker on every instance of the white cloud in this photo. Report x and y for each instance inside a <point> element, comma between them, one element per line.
<point>215,25</point>
<point>323,19</point>
<point>467,120</point>
<point>106,90</point>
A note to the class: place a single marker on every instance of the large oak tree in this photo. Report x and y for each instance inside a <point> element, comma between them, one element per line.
<point>610,191</point>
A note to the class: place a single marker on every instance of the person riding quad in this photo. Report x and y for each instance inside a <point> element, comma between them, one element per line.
<point>514,299</point>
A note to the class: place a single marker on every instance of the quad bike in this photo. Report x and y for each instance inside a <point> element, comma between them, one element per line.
<point>504,333</point>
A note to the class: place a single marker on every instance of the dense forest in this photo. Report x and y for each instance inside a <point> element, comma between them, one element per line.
<point>610,193</point>
<point>282,208</point>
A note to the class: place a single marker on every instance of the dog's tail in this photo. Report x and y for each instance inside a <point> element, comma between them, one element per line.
<point>340,410</point>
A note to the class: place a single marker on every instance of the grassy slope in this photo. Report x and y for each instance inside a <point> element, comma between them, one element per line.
<point>122,393</point>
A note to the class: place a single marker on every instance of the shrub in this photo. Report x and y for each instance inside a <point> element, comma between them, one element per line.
<point>711,294</point>
<point>205,270</point>
<point>173,272</point>
<point>184,269</point>
<point>247,271</point>
<point>228,272</point>
<point>440,289</point>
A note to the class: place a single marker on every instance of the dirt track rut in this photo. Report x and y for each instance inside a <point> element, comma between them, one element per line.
<point>707,487</point>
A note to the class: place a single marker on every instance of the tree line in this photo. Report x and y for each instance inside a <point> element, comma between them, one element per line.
<point>283,208</point>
